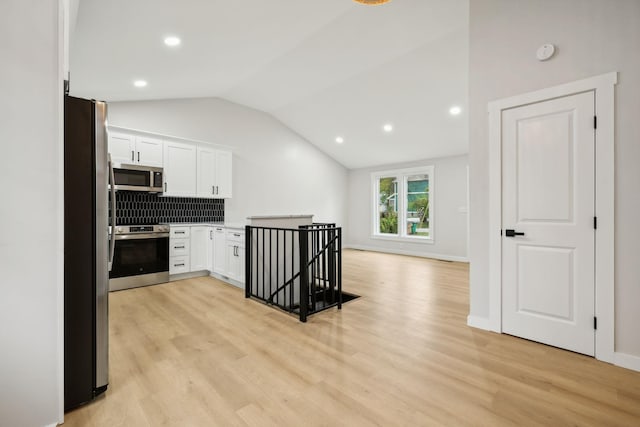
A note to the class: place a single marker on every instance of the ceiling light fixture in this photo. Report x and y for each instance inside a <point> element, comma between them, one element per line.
<point>140,83</point>
<point>388,127</point>
<point>339,140</point>
<point>172,41</point>
<point>455,110</point>
<point>372,2</point>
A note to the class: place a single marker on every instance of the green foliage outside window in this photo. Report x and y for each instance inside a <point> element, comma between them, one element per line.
<point>387,205</point>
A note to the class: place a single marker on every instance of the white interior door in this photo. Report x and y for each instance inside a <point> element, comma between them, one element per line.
<point>548,174</point>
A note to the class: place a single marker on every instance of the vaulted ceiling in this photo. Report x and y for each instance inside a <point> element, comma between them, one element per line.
<point>325,68</point>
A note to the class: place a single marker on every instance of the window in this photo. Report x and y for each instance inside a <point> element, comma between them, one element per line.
<point>403,202</point>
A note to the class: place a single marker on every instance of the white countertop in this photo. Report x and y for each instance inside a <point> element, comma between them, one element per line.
<point>279,216</point>
<point>210,223</point>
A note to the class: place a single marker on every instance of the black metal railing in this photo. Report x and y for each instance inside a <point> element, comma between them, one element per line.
<point>298,270</point>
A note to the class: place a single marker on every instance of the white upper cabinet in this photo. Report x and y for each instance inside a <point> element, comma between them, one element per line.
<point>206,172</point>
<point>214,173</point>
<point>224,162</point>
<point>122,148</point>
<point>191,169</point>
<point>179,169</point>
<point>149,151</point>
<point>135,150</point>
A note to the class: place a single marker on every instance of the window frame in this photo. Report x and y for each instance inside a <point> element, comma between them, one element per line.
<point>402,176</point>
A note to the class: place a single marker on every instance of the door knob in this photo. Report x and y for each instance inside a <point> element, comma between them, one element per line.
<point>512,233</point>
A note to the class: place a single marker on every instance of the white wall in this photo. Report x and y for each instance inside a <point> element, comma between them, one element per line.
<point>450,195</point>
<point>593,37</point>
<point>31,216</point>
<point>275,171</point>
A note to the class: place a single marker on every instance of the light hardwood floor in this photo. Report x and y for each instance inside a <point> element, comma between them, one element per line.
<point>197,353</point>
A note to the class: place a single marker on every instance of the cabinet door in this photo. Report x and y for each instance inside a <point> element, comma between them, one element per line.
<point>122,148</point>
<point>179,247</point>
<point>199,248</point>
<point>219,251</point>
<point>232,263</point>
<point>240,259</point>
<point>149,151</point>
<point>223,167</point>
<point>178,264</point>
<point>206,172</point>
<point>179,169</point>
<point>235,261</point>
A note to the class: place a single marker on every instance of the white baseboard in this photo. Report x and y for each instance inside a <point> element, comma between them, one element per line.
<point>227,280</point>
<point>191,275</point>
<point>405,252</point>
<point>627,361</point>
<point>479,322</point>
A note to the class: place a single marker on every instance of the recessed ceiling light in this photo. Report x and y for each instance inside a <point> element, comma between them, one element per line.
<point>388,127</point>
<point>140,83</point>
<point>339,140</point>
<point>172,41</point>
<point>455,110</point>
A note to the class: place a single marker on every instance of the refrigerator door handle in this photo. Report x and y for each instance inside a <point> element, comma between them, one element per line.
<point>112,241</point>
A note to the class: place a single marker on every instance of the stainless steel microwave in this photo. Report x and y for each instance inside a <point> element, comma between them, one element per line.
<point>138,178</point>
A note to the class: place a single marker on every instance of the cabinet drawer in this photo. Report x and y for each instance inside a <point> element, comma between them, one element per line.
<point>235,236</point>
<point>179,247</point>
<point>180,232</point>
<point>179,264</point>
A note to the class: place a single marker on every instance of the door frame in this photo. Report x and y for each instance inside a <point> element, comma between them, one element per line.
<point>603,87</point>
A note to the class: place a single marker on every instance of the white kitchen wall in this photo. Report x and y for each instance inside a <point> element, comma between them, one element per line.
<point>450,201</point>
<point>31,215</point>
<point>275,171</point>
<point>593,37</point>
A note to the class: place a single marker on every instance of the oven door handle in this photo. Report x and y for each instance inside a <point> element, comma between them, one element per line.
<point>112,245</point>
<point>141,236</point>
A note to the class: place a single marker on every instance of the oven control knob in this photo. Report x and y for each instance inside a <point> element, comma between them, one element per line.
<point>119,230</point>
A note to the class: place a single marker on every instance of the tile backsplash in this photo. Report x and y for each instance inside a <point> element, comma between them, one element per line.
<point>144,208</point>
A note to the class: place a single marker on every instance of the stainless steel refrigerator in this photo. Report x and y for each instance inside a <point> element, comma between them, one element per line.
<point>86,251</point>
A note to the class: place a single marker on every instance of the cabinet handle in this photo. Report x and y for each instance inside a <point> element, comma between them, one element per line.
<point>138,156</point>
<point>213,190</point>
<point>179,265</point>
<point>179,232</point>
<point>217,190</point>
<point>236,234</point>
<point>178,247</point>
<point>210,234</point>
<point>132,158</point>
<point>165,187</point>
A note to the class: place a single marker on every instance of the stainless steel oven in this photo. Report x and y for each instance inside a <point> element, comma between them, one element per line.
<point>137,178</point>
<point>140,257</point>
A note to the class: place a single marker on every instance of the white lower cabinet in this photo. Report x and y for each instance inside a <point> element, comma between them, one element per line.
<point>215,249</point>
<point>179,250</point>
<point>235,254</point>
<point>179,247</point>
<point>218,261</point>
<point>200,248</point>
<point>178,264</point>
